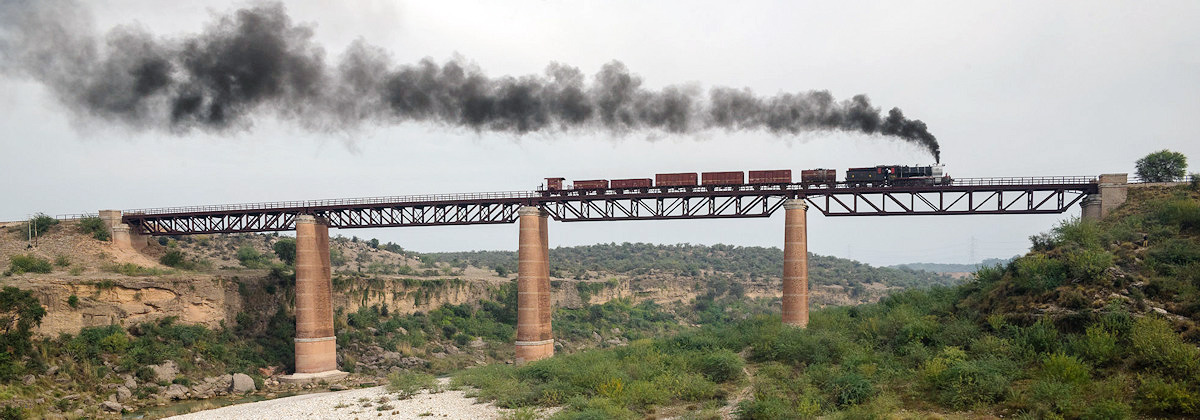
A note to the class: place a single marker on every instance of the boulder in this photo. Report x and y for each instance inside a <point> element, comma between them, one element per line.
<point>28,380</point>
<point>478,343</point>
<point>175,392</point>
<point>112,406</point>
<point>129,381</point>
<point>242,383</point>
<point>123,394</point>
<point>166,371</point>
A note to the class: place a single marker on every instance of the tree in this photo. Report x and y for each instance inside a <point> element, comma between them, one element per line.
<point>19,313</point>
<point>1162,166</point>
<point>285,249</point>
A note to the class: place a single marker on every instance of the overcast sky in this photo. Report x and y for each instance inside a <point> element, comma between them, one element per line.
<point>1009,88</point>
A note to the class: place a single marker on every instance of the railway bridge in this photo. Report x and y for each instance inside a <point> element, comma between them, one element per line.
<point>315,342</point>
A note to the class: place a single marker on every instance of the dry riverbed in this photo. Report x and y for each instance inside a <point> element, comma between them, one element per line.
<point>366,403</point>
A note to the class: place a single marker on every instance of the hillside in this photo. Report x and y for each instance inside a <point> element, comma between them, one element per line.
<point>104,322</point>
<point>1097,322</point>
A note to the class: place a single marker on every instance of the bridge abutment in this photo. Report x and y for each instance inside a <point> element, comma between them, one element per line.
<point>316,344</point>
<point>1114,190</point>
<point>535,340</point>
<point>795,263</point>
<point>121,234</point>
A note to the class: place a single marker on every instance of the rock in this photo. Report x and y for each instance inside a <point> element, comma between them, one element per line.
<point>123,394</point>
<point>242,383</point>
<point>338,387</point>
<point>52,370</point>
<point>616,331</point>
<point>28,380</point>
<point>440,355</point>
<point>450,349</point>
<point>401,331</point>
<point>166,371</point>
<point>596,336</point>
<point>477,343</point>
<point>614,342</point>
<point>203,390</point>
<point>175,392</point>
<point>129,381</point>
<point>112,406</point>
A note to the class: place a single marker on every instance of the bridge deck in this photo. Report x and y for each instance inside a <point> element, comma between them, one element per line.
<point>1023,195</point>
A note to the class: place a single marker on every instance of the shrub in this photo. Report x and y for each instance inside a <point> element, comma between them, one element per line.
<point>1063,368</point>
<point>285,249</point>
<point>1088,264</point>
<point>19,264</point>
<point>42,223</point>
<point>173,258</point>
<point>1097,345</point>
<point>250,257</point>
<point>408,383</point>
<point>1185,213</point>
<point>765,409</point>
<point>10,412</point>
<point>1195,182</point>
<point>73,301</point>
<point>851,389</point>
<point>720,366</point>
<point>20,312</point>
<point>62,261</point>
<point>1108,410</point>
<point>1155,344</point>
<point>94,226</point>
<point>1037,273</point>
<point>1168,397</point>
<point>959,383</point>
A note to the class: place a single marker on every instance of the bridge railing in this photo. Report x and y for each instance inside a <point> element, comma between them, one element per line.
<point>1032,180</point>
<point>338,202</point>
<point>1187,178</point>
<point>65,217</point>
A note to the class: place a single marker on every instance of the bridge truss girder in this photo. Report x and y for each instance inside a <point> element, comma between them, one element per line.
<point>889,203</point>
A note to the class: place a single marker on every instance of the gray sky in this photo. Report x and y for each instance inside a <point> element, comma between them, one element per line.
<point>1009,88</point>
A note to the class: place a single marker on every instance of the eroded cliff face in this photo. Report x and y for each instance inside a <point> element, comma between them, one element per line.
<point>192,298</point>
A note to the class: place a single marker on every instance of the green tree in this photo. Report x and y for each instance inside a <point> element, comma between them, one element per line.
<point>285,249</point>
<point>19,313</point>
<point>1162,166</point>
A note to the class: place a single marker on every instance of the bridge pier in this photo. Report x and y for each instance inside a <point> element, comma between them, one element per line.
<point>795,263</point>
<point>316,344</point>
<point>535,340</point>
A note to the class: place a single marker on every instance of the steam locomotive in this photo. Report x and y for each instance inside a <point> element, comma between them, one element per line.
<point>876,176</point>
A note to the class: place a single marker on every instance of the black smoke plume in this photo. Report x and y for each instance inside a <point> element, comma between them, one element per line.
<point>256,61</point>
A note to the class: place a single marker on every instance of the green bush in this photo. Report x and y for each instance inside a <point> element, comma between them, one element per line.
<point>42,223</point>
<point>1097,345</point>
<point>1161,166</point>
<point>959,383</point>
<point>851,389</point>
<point>10,412</point>
<point>251,258</point>
<point>20,312</point>
<point>173,258</point>
<point>1185,213</point>
<point>1088,264</point>
<point>94,226</point>
<point>285,249</point>
<point>766,409</point>
<point>1037,273</point>
<point>1064,368</point>
<point>1159,395</point>
<point>408,383</point>
<point>19,264</point>
<point>720,366</point>
<point>1154,344</point>
<point>1108,410</point>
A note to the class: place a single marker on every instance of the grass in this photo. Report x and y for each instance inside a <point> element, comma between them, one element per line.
<point>406,384</point>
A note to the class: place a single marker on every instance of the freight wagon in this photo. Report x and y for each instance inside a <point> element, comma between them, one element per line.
<point>819,177</point>
<point>722,178</point>
<point>591,184</point>
<point>675,180</point>
<point>780,176</point>
<point>632,183</point>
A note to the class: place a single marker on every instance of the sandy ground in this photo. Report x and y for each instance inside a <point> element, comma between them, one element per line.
<point>357,404</point>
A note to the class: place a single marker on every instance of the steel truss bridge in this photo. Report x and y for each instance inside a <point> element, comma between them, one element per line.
<point>1029,195</point>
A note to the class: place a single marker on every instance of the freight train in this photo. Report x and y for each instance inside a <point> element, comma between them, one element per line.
<point>876,176</point>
